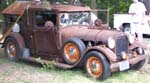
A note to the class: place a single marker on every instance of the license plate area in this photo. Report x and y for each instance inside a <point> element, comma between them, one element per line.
<point>124,65</point>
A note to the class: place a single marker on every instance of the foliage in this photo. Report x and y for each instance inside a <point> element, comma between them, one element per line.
<point>46,65</point>
<point>114,6</point>
<point>3,5</point>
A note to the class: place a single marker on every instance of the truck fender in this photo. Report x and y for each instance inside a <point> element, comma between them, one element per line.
<point>19,39</point>
<point>136,44</point>
<point>109,54</point>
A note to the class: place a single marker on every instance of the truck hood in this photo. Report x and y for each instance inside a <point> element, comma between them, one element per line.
<point>86,34</point>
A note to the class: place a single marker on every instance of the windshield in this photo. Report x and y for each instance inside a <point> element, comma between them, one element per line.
<point>74,18</point>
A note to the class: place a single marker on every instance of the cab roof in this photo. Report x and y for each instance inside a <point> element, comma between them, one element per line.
<point>19,6</point>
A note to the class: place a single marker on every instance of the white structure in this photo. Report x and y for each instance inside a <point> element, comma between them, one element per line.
<point>119,19</point>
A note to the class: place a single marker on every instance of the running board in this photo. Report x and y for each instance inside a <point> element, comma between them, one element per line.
<point>56,64</point>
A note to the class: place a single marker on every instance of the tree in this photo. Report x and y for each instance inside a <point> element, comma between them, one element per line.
<point>93,4</point>
<point>147,4</point>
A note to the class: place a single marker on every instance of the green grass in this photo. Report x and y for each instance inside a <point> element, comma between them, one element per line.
<point>79,76</point>
<point>22,72</point>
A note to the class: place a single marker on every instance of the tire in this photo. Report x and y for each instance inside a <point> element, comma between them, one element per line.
<point>11,49</point>
<point>72,50</point>
<point>140,64</point>
<point>93,59</point>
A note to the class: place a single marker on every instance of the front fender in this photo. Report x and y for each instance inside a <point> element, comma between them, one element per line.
<point>110,55</point>
<point>136,44</point>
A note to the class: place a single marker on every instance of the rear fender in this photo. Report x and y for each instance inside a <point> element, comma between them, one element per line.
<point>109,54</point>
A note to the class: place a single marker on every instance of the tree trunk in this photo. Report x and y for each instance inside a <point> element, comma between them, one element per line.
<point>93,4</point>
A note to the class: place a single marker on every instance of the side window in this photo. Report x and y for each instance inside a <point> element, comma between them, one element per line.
<point>42,17</point>
<point>11,20</point>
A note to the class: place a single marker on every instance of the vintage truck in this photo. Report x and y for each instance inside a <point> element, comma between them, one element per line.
<point>64,34</point>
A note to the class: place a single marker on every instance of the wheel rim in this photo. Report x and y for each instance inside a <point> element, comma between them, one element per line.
<point>94,67</point>
<point>11,49</point>
<point>71,52</point>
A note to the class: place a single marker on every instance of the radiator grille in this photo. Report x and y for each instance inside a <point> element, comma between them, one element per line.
<point>121,45</point>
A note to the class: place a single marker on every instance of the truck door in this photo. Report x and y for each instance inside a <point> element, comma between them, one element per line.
<point>45,39</point>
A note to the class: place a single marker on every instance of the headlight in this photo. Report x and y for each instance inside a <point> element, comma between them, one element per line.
<point>131,39</point>
<point>111,43</point>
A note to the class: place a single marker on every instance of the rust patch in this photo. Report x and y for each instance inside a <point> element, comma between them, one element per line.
<point>106,51</point>
<point>16,8</point>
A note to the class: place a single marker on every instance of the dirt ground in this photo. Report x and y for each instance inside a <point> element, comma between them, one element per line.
<point>24,72</point>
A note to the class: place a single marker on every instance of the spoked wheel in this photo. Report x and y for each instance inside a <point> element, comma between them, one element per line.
<point>11,49</point>
<point>97,66</point>
<point>94,67</point>
<point>72,50</point>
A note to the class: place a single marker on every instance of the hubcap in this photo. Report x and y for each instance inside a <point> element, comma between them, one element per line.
<point>94,67</point>
<point>71,52</point>
<point>11,49</point>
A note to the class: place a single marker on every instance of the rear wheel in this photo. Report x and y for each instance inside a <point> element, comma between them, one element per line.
<point>11,49</point>
<point>97,66</point>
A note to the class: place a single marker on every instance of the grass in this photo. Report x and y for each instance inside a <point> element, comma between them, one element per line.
<point>23,72</point>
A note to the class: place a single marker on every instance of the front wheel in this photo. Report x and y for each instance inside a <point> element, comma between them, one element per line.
<point>97,66</point>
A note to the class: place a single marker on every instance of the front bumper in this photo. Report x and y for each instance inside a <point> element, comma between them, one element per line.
<point>115,66</point>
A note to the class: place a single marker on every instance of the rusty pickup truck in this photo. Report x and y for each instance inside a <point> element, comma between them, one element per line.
<point>64,34</point>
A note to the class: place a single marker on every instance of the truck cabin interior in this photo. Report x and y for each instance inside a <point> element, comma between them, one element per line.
<point>42,17</point>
